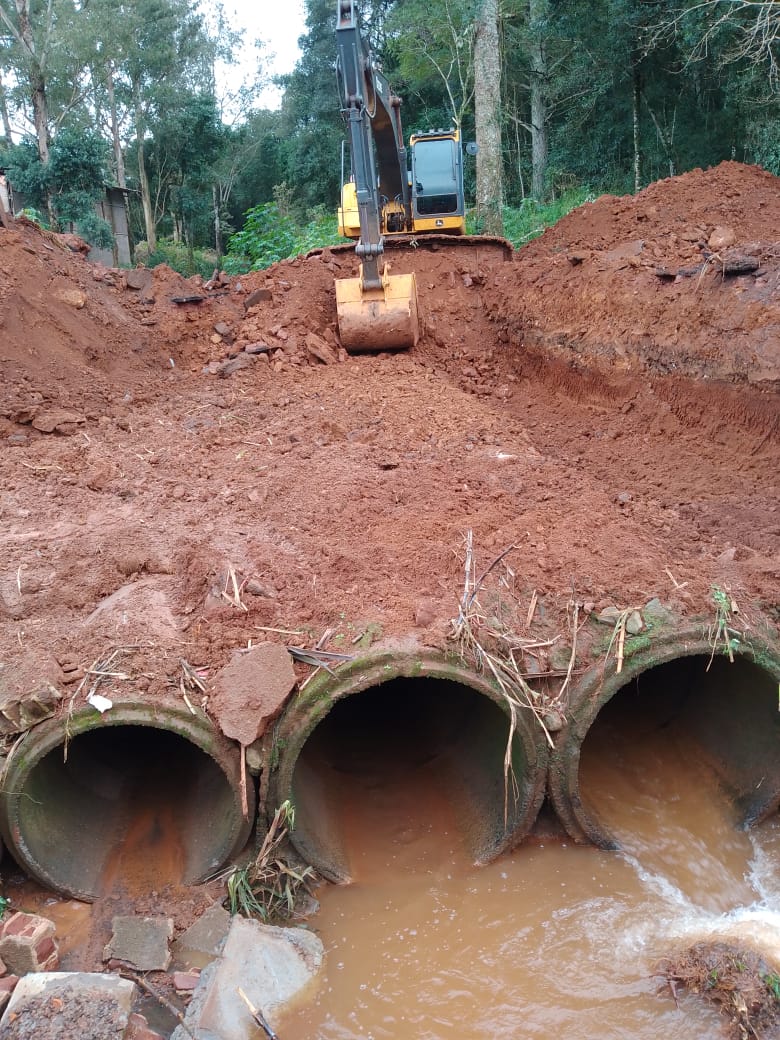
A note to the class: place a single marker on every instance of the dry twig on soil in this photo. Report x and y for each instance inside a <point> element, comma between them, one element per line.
<point>190,680</point>
<point>141,981</point>
<point>234,596</point>
<point>101,670</point>
<point>468,631</point>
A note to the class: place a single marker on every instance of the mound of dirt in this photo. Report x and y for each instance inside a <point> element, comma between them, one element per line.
<point>683,278</point>
<point>187,466</point>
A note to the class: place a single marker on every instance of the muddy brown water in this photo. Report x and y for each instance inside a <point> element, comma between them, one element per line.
<point>553,939</point>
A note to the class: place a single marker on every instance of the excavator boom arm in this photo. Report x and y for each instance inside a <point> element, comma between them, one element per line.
<point>376,311</point>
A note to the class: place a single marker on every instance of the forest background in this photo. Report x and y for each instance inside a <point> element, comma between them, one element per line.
<point>566,99</point>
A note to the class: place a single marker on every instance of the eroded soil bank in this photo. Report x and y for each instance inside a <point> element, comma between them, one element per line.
<point>605,401</point>
<point>133,480</point>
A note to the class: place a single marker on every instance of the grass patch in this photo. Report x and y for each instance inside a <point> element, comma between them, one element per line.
<point>527,221</point>
<point>269,887</point>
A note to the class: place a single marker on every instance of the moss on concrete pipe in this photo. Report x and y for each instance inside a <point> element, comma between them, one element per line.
<point>730,711</point>
<point>467,726</point>
<point>62,816</point>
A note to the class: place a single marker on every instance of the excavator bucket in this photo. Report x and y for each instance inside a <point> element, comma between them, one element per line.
<point>374,320</point>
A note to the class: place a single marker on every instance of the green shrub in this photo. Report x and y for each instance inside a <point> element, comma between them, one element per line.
<point>528,220</point>
<point>178,256</point>
<point>270,235</point>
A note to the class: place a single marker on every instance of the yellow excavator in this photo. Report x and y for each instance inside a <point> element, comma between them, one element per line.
<point>391,193</point>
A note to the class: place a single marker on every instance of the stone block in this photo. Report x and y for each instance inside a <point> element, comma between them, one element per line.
<point>141,942</point>
<point>7,986</point>
<point>27,944</point>
<point>271,965</point>
<point>203,940</point>
<point>185,982</point>
<point>53,1005</point>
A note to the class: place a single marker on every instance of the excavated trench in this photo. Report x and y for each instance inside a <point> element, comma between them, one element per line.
<point>93,801</point>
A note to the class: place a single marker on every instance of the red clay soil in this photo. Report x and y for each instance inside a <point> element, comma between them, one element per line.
<point>591,401</point>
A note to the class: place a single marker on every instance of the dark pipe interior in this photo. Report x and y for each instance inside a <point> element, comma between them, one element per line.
<point>74,814</point>
<point>406,724</point>
<point>725,713</point>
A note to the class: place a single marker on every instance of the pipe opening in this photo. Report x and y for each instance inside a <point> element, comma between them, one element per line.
<point>686,735</point>
<point>409,745</point>
<point>134,806</point>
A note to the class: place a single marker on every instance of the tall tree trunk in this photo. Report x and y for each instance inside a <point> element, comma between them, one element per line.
<point>487,106</point>
<point>37,79</point>
<point>146,200</point>
<point>40,112</point>
<point>119,157</point>
<point>636,98</point>
<point>537,12</point>
<point>218,243</point>
<point>4,113</point>
<point>143,179</point>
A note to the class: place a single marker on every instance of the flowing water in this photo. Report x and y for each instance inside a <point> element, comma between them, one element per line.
<point>550,940</point>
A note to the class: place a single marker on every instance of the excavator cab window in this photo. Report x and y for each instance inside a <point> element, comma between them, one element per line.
<point>436,177</point>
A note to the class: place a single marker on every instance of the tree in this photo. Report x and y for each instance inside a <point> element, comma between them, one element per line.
<point>71,180</point>
<point>150,52</point>
<point>487,104</point>
<point>311,113</point>
<point>436,38</point>
<point>752,28</point>
<point>33,39</point>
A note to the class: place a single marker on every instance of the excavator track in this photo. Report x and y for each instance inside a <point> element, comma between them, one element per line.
<point>428,241</point>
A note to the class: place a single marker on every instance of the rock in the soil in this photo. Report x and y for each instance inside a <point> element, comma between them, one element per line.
<point>57,420</point>
<point>73,297</point>
<point>141,941</point>
<point>271,965</point>
<point>139,278</point>
<point>201,943</point>
<point>258,296</point>
<point>656,613</point>
<point>27,944</point>
<point>138,1029</point>
<point>55,1005</point>
<point>251,691</point>
<point>634,623</point>
<point>235,364</point>
<point>721,237</point>
<point>224,331</point>
<point>319,349</point>
<point>609,616</point>
<point>19,713</point>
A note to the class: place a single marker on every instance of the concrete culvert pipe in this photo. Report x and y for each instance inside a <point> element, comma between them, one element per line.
<point>413,711</point>
<point>725,713</point>
<point>66,818</point>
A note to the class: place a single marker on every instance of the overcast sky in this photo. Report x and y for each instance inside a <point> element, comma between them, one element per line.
<point>278,24</point>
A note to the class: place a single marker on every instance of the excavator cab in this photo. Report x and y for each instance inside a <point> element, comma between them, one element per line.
<point>437,183</point>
